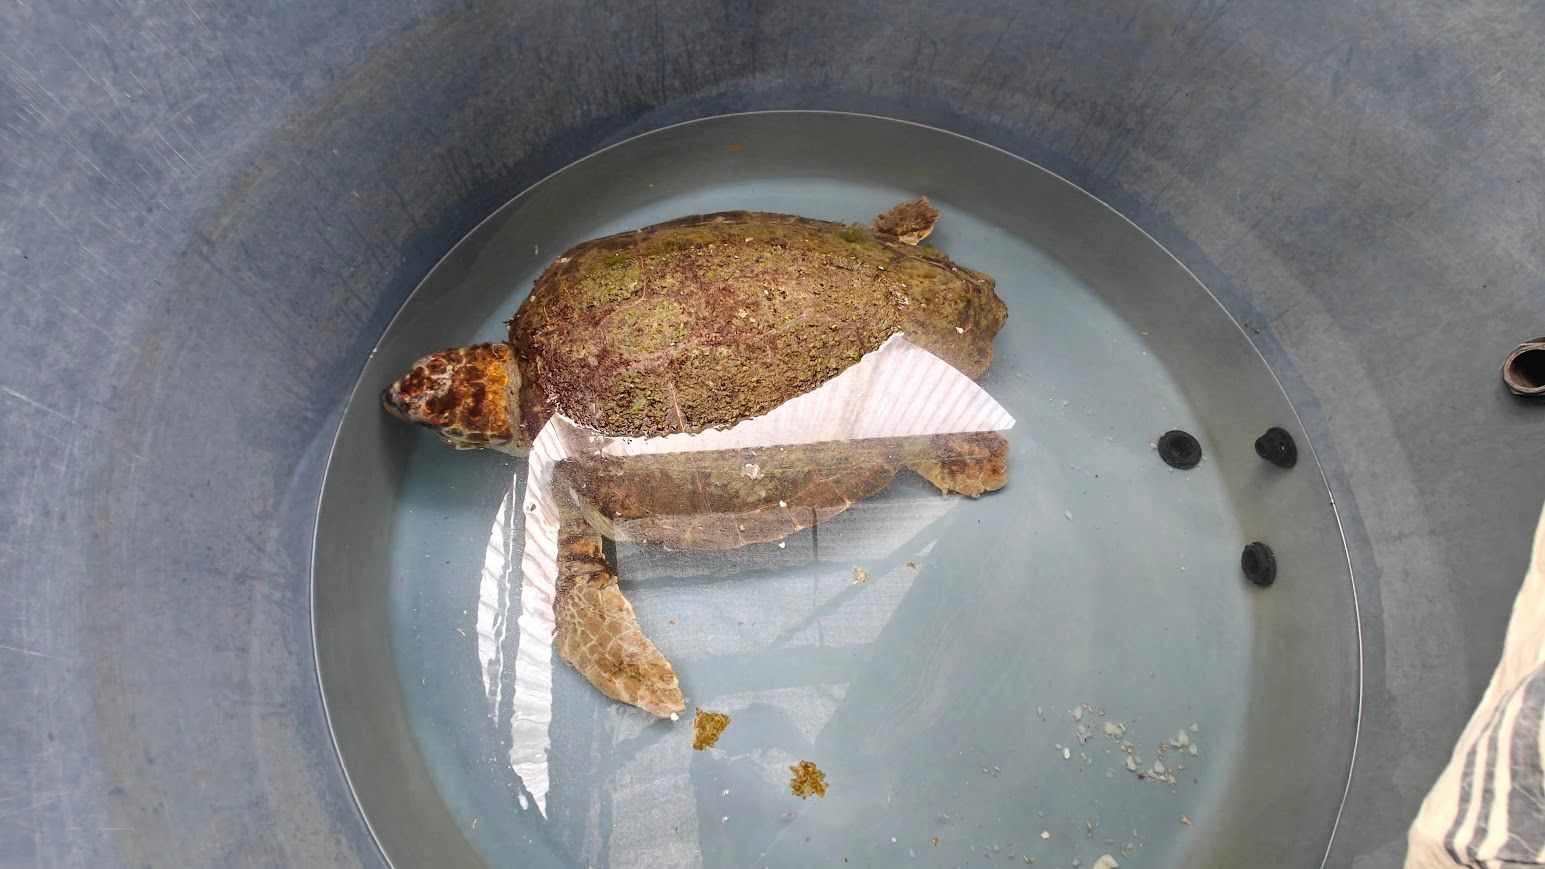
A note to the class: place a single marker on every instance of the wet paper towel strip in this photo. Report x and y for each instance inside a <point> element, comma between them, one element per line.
<point>899,390</point>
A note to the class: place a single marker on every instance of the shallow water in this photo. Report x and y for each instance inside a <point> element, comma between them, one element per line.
<point>1099,576</point>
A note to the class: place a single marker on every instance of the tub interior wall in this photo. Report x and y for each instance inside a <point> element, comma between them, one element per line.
<point>211,210</point>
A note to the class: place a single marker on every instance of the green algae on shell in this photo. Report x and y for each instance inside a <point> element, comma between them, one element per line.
<point>708,320</point>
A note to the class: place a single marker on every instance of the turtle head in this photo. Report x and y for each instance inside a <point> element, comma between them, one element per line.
<point>469,396</point>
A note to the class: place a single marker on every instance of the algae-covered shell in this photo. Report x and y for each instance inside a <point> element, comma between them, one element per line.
<point>708,320</point>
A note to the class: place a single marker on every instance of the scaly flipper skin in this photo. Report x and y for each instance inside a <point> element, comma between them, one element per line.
<point>716,500</point>
<point>730,498</point>
<point>965,464</point>
<point>723,499</point>
<point>596,630</point>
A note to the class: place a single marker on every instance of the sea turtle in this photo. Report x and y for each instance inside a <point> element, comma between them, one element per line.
<point>700,323</point>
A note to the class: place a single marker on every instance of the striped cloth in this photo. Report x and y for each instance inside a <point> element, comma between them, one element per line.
<point>1488,807</point>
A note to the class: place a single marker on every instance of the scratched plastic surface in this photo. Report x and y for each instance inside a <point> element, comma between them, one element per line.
<point>983,627</point>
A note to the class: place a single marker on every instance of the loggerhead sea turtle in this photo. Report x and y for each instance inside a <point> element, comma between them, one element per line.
<point>700,323</point>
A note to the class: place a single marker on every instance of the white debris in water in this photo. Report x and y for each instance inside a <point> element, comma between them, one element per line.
<point>1078,713</point>
<point>1106,861</point>
<point>1068,515</point>
<point>860,576</point>
<point>1131,764</point>
<point>675,716</point>
<point>1067,754</point>
<point>1194,728</point>
<point>1114,729</point>
<point>781,544</point>
<point>1193,749</point>
<point>1045,834</point>
<point>1180,735</point>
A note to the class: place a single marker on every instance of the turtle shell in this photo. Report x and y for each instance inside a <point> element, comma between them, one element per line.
<point>708,320</point>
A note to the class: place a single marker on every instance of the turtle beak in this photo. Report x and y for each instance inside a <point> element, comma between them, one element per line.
<point>423,395</point>
<point>391,401</point>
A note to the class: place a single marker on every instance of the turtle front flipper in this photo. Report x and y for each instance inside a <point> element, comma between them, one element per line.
<point>596,630</point>
<point>968,464</point>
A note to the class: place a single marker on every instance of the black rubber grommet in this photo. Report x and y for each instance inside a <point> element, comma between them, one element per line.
<point>1278,447</point>
<point>1180,450</point>
<point>1259,564</point>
